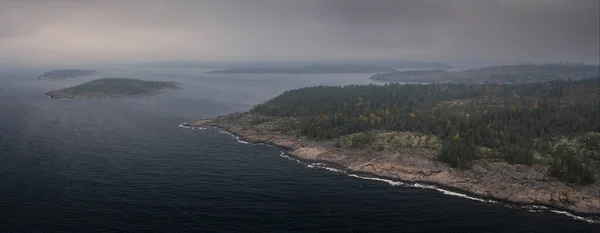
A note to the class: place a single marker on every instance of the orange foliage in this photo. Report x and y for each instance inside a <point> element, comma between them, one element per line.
<point>323,118</point>
<point>457,136</point>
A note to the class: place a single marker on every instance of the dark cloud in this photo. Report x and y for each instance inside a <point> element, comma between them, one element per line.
<point>450,30</point>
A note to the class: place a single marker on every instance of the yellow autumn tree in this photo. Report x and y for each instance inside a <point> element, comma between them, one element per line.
<point>363,118</point>
<point>412,114</point>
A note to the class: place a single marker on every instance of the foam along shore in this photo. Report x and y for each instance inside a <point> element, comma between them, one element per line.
<point>486,179</point>
<point>189,126</point>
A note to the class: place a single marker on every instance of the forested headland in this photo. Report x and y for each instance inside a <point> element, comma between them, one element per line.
<point>555,123</point>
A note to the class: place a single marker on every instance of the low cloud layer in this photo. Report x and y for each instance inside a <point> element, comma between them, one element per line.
<point>67,31</point>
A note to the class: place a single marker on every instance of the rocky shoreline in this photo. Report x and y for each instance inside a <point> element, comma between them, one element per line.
<point>496,180</point>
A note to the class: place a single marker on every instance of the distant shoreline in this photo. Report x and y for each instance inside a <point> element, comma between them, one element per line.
<point>509,74</point>
<point>65,74</point>
<point>309,69</point>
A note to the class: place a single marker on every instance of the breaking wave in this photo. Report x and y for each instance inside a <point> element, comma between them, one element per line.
<point>576,217</point>
<point>237,138</point>
<point>187,126</point>
<point>530,208</point>
<point>283,155</point>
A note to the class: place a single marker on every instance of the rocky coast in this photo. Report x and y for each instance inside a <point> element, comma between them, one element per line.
<point>416,163</point>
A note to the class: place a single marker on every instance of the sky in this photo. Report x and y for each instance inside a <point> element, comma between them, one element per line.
<point>96,31</point>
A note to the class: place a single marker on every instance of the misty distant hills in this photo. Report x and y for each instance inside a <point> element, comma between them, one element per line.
<point>65,73</point>
<point>413,64</point>
<point>522,73</point>
<point>285,64</point>
<point>310,69</point>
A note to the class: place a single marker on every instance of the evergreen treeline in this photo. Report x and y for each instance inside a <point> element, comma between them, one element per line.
<point>506,118</point>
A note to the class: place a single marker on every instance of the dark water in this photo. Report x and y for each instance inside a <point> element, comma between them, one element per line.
<point>123,165</point>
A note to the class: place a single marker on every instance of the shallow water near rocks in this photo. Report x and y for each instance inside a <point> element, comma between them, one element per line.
<point>123,165</point>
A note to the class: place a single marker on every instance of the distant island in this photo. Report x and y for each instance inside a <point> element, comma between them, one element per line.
<point>114,87</point>
<point>310,69</point>
<point>534,143</point>
<point>65,73</point>
<point>524,73</point>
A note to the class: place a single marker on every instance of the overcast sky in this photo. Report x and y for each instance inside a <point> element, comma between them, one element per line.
<point>66,31</point>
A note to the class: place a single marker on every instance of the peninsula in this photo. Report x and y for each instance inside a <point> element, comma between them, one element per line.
<point>114,87</point>
<point>65,73</point>
<point>310,69</point>
<point>534,143</point>
<point>513,74</point>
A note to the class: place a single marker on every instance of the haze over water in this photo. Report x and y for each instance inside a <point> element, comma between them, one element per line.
<point>124,165</point>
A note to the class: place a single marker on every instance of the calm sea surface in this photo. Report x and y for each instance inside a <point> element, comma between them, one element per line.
<point>124,165</point>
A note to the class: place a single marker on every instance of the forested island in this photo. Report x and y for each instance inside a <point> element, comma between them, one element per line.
<point>113,87</point>
<point>65,73</point>
<point>535,143</point>
<point>524,73</point>
<point>310,69</point>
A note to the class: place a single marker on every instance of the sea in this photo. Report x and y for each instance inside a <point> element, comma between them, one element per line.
<point>125,165</point>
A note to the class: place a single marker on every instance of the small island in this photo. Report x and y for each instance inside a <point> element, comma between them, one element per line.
<point>114,87</point>
<point>66,73</point>
<point>310,69</point>
<point>532,143</point>
<point>513,74</point>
